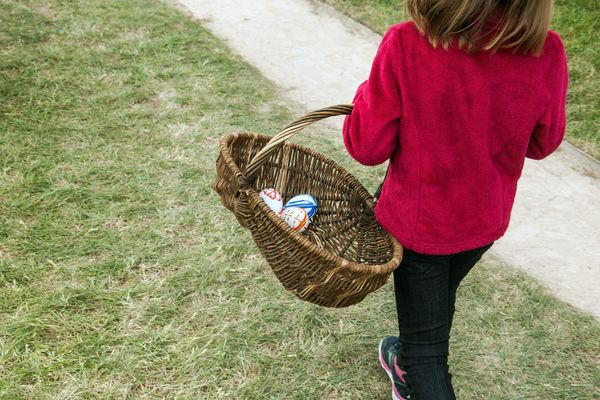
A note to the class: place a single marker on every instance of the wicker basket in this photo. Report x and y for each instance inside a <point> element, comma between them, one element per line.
<point>344,254</point>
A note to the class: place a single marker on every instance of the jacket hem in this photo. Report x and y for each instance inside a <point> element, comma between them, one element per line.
<point>442,248</point>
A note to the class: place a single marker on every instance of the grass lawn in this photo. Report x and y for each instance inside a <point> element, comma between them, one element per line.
<point>577,21</point>
<point>122,276</point>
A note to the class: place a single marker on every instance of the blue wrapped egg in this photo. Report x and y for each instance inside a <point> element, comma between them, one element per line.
<point>305,201</point>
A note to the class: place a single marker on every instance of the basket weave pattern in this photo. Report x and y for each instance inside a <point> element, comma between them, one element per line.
<point>344,254</point>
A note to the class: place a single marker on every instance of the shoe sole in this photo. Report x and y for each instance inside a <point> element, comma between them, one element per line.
<point>395,395</point>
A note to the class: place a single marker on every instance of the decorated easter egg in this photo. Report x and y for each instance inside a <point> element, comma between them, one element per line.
<point>305,201</point>
<point>296,217</point>
<point>273,199</point>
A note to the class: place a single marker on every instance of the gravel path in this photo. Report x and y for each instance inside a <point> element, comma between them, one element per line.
<point>318,57</point>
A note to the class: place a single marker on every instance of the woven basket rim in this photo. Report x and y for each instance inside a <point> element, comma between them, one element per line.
<point>372,269</point>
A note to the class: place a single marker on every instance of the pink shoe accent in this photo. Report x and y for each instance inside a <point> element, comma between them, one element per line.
<point>400,372</point>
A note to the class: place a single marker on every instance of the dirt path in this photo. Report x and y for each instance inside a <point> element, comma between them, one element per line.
<point>318,56</point>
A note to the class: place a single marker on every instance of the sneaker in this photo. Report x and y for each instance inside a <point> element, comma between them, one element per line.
<point>389,348</point>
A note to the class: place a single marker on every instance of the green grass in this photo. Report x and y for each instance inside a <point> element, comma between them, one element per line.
<point>122,276</point>
<point>577,21</point>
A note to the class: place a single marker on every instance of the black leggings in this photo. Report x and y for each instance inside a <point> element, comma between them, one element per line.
<point>425,287</point>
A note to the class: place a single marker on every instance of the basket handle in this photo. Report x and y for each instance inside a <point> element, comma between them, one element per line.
<point>286,133</point>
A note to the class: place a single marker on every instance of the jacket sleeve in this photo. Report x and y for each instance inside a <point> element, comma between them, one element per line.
<point>549,130</point>
<point>371,130</point>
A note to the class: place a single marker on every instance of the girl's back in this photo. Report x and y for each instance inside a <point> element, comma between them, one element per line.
<point>457,127</point>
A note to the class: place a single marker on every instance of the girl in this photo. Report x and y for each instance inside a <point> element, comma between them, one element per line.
<point>456,99</point>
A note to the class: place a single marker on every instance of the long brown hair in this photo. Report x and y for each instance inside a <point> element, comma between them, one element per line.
<point>484,24</point>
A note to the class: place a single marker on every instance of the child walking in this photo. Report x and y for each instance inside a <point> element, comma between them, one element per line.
<point>457,98</point>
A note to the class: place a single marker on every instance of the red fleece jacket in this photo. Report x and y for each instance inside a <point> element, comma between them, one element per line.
<point>456,128</point>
